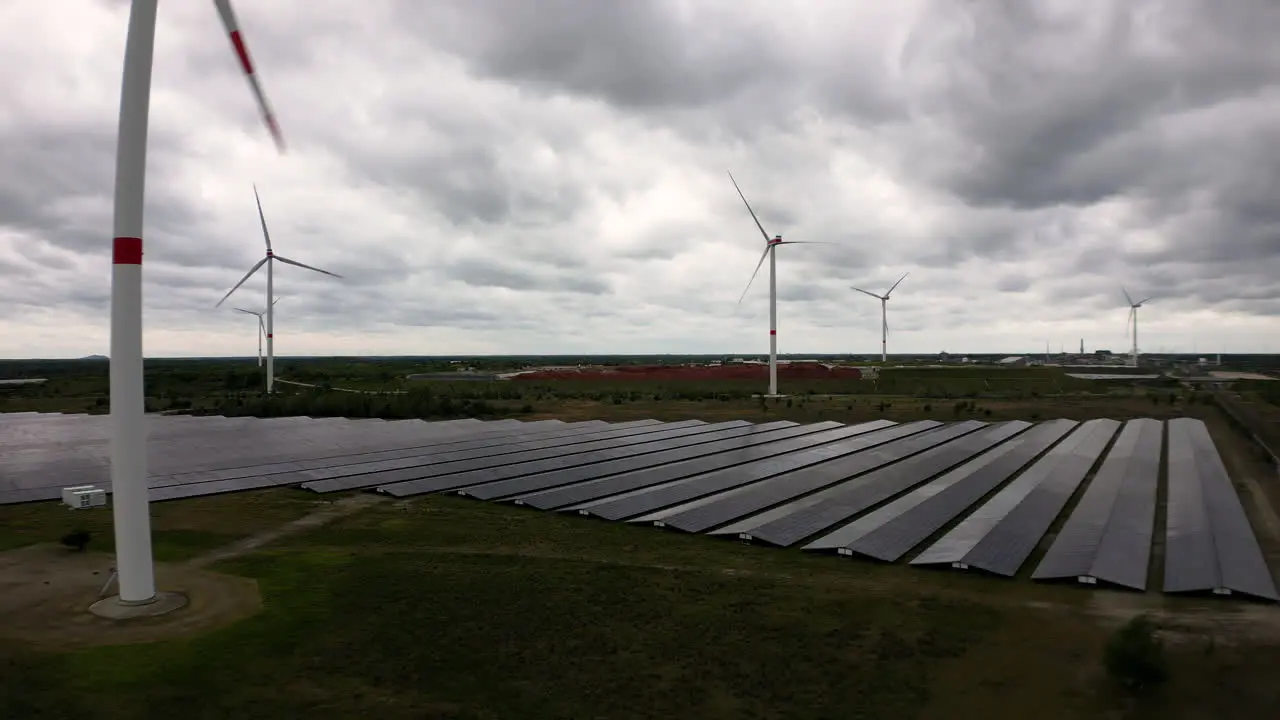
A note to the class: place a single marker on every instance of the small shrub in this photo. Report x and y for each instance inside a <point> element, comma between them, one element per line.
<point>1135,656</point>
<point>927,407</point>
<point>77,539</point>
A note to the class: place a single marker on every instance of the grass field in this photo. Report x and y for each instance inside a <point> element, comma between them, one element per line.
<point>454,609</point>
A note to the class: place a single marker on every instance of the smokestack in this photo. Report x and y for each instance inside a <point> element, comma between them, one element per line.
<point>1081,346</point>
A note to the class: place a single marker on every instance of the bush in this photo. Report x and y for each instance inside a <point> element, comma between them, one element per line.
<point>77,540</point>
<point>1135,656</point>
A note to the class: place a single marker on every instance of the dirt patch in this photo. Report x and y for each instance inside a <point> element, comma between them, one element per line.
<point>341,508</point>
<point>46,590</point>
<point>1228,622</point>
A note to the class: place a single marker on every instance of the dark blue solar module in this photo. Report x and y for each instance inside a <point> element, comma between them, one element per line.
<point>1108,535</point>
<point>1209,544</point>
<point>1000,535</point>
<point>796,521</point>
<point>894,529</point>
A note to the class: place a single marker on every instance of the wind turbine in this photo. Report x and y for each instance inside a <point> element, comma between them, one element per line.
<point>268,261</point>
<point>262,329</point>
<point>130,498</point>
<point>884,314</point>
<point>770,248</point>
<point>1131,324</point>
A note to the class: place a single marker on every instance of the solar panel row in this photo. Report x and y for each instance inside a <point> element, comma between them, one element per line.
<point>1209,544</point>
<point>850,440</point>
<point>1108,535</point>
<point>682,463</point>
<point>893,530</point>
<point>456,475</point>
<point>949,446</point>
<point>1000,534</point>
<point>218,448</point>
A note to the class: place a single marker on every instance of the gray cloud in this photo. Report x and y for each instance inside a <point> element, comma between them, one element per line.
<point>494,176</point>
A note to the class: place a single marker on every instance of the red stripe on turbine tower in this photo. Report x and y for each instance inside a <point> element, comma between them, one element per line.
<point>773,332</point>
<point>126,251</point>
<point>241,52</point>
<point>269,336</point>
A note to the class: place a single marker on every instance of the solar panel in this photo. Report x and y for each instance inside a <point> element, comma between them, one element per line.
<point>1000,535</point>
<point>678,464</point>
<point>463,476</point>
<point>192,448</point>
<point>409,448</point>
<point>891,531</point>
<point>350,477</point>
<point>719,509</point>
<point>1209,543</point>
<point>855,438</point>
<point>1108,535</point>
<point>555,471</point>
<point>637,483</point>
<point>795,522</point>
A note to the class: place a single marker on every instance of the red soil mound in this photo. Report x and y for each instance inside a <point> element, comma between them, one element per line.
<point>794,371</point>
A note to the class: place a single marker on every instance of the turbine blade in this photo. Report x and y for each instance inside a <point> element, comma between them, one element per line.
<point>757,272</point>
<point>242,54</point>
<point>866,292</point>
<point>266,236</point>
<point>1126,296</point>
<point>1143,301</point>
<point>763,234</point>
<point>295,263</point>
<point>251,312</point>
<point>247,275</point>
<point>895,285</point>
<point>273,302</point>
<point>806,242</point>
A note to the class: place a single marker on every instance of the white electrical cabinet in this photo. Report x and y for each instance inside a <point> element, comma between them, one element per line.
<point>84,496</point>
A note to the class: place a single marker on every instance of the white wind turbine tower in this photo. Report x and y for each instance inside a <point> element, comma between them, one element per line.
<point>770,248</point>
<point>884,315</point>
<point>130,500</point>
<point>262,329</point>
<point>1131,325</point>
<point>268,261</point>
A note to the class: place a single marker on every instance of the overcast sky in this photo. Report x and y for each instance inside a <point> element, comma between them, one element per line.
<point>549,176</point>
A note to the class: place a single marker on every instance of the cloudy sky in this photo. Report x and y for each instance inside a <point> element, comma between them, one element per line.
<point>549,176</point>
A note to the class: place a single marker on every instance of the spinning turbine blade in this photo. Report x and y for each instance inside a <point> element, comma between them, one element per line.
<point>866,292</point>
<point>251,312</point>
<point>262,218</point>
<point>242,53</point>
<point>1127,296</point>
<point>247,275</point>
<point>763,234</point>
<point>1143,301</point>
<point>757,272</point>
<point>295,263</point>
<point>895,285</point>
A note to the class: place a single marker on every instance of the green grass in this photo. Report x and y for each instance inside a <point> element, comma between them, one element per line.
<point>448,608</point>
<point>180,530</point>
